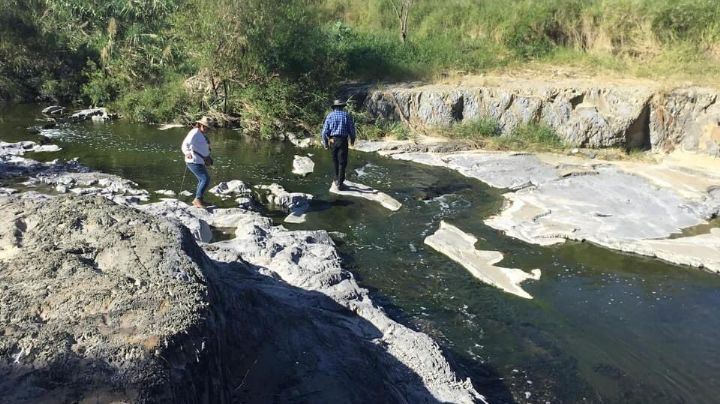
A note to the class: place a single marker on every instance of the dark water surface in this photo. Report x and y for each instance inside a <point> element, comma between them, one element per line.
<point>603,327</point>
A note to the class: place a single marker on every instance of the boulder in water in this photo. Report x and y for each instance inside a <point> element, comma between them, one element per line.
<point>230,188</point>
<point>54,110</point>
<point>296,203</point>
<point>94,114</point>
<point>303,165</point>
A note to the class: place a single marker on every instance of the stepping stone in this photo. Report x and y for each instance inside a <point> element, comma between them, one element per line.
<point>303,165</point>
<point>365,192</point>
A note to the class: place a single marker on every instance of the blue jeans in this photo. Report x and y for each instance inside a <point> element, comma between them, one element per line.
<point>203,177</point>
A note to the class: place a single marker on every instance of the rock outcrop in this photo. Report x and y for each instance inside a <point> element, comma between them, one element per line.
<point>13,165</point>
<point>296,203</point>
<point>106,302</point>
<point>233,188</point>
<point>584,113</point>
<point>94,297</point>
<point>686,119</point>
<point>102,302</point>
<point>94,114</point>
<point>20,148</point>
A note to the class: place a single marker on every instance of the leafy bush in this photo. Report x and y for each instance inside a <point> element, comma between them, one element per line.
<point>273,107</point>
<point>101,88</point>
<point>168,102</point>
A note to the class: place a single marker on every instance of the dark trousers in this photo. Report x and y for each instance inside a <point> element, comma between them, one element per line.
<point>340,157</point>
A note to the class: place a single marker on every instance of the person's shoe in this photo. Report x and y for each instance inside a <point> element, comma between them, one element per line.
<point>342,187</point>
<point>198,203</point>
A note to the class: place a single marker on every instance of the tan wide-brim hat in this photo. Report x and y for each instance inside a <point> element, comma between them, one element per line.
<point>339,103</point>
<point>204,121</point>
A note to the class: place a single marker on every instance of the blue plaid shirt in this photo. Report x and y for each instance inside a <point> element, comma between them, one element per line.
<point>338,123</point>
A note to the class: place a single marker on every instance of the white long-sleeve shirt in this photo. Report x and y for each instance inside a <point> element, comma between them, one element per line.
<point>195,143</point>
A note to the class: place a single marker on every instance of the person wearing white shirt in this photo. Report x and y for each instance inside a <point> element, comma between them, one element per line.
<point>196,148</point>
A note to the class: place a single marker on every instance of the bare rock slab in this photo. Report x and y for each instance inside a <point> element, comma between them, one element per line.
<point>460,247</point>
<point>94,295</point>
<point>363,191</point>
<point>701,251</point>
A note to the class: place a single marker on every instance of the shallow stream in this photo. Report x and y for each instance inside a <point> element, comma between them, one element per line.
<point>602,327</point>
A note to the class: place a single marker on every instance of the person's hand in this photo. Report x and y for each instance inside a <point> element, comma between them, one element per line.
<point>325,146</point>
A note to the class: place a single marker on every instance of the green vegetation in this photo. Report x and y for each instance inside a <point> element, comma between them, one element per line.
<point>377,129</point>
<point>272,66</point>
<point>647,38</point>
<point>532,136</point>
<point>480,128</point>
<point>485,132</point>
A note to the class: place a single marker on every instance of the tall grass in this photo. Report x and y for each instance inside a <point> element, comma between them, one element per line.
<point>486,132</point>
<point>484,127</point>
<point>531,136</point>
<point>477,35</point>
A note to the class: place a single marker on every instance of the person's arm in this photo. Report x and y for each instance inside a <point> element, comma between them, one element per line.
<point>187,147</point>
<point>325,132</point>
<point>351,129</point>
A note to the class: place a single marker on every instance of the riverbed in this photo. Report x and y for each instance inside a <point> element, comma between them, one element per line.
<point>602,327</point>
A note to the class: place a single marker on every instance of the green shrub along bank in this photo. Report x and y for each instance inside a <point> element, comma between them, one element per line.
<point>485,132</point>
<point>272,66</point>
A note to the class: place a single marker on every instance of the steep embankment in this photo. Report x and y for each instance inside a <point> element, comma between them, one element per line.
<point>585,113</point>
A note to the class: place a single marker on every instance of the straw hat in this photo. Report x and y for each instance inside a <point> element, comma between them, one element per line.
<point>204,121</point>
<point>339,103</point>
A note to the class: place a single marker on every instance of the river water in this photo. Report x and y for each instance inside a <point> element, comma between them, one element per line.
<point>602,327</point>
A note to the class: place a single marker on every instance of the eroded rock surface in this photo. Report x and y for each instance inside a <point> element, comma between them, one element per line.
<point>227,189</point>
<point>296,203</point>
<point>309,260</point>
<point>110,186</point>
<point>94,296</point>
<point>103,302</point>
<point>20,148</point>
<point>584,113</point>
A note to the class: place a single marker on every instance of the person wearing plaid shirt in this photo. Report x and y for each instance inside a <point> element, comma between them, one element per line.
<point>338,130</point>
